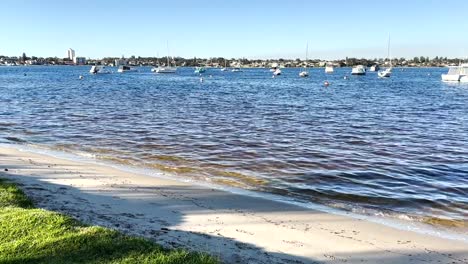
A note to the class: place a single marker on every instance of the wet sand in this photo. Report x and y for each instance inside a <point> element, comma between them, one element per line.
<point>237,229</point>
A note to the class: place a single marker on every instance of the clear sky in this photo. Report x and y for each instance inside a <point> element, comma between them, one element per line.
<point>241,28</point>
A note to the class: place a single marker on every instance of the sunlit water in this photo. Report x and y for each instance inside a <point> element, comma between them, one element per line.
<point>395,146</point>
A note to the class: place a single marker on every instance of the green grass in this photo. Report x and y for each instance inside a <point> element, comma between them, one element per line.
<point>31,235</point>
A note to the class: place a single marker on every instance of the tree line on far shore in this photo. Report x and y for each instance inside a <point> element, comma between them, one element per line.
<point>221,62</point>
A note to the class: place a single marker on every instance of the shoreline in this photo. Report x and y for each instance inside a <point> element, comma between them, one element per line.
<point>440,227</point>
<point>230,226</point>
<point>246,67</point>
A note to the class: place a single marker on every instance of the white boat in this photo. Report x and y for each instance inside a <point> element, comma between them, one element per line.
<point>385,73</point>
<point>274,67</point>
<point>305,73</point>
<point>125,69</point>
<point>358,70</point>
<point>236,69</point>
<point>374,68</point>
<point>329,68</point>
<point>277,72</point>
<point>98,70</point>
<point>167,68</point>
<point>388,71</point>
<point>456,74</point>
<point>225,66</point>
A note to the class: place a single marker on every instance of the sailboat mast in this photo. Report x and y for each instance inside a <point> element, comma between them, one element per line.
<point>388,50</point>
<point>167,44</point>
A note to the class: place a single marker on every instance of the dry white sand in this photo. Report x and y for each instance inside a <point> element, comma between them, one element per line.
<point>237,229</point>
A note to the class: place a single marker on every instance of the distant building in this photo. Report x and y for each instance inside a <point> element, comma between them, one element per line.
<point>71,54</point>
<point>80,60</point>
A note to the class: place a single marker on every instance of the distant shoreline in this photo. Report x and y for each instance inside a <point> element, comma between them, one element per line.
<point>297,67</point>
<point>231,62</point>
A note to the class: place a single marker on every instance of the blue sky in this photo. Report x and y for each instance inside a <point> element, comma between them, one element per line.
<point>242,28</point>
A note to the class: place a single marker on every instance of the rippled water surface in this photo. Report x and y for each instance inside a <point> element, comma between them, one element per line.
<point>396,146</point>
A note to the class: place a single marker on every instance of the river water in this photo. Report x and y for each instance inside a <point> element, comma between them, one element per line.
<point>396,146</point>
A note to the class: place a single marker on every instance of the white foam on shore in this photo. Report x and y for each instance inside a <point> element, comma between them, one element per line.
<point>402,223</point>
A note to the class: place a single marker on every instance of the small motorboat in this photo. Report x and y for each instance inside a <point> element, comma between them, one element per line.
<point>329,69</point>
<point>123,69</point>
<point>385,73</point>
<point>304,74</point>
<point>374,68</point>
<point>277,72</point>
<point>358,70</point>
<point>456,74</point>
<point>274,67</point>
<point>98,70</point>
<point>200,69</point>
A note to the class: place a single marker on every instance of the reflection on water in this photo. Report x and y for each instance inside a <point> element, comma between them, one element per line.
<point>385,145</point>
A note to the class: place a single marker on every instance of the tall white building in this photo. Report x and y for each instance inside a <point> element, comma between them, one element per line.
<point>71,54</point>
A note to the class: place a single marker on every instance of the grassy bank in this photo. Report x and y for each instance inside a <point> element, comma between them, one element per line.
<point>31,235</point>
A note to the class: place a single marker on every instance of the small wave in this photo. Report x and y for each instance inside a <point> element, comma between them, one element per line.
<point>7,124</point>
<point>15,139</point>
<point>173,169</point>
<point>438,221</point>
<point>242,177</point>
<point>229,182</point>
<point>170,158</point>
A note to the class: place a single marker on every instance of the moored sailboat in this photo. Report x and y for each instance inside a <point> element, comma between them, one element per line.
<point>167,68</point>
<point>304,73</point>
<point>225,66</point>
<point>388,71</point>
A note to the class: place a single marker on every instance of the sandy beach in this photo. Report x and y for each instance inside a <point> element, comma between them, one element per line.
<point>235,228</point>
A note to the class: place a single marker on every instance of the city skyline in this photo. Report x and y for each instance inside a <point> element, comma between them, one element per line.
<point>257,30</point>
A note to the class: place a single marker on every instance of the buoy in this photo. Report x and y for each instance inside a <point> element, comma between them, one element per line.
<point>326,83</point>
<point>25,74</point>
<point>201,79</point>
<point>346,77</point>
<point>81,77</point>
